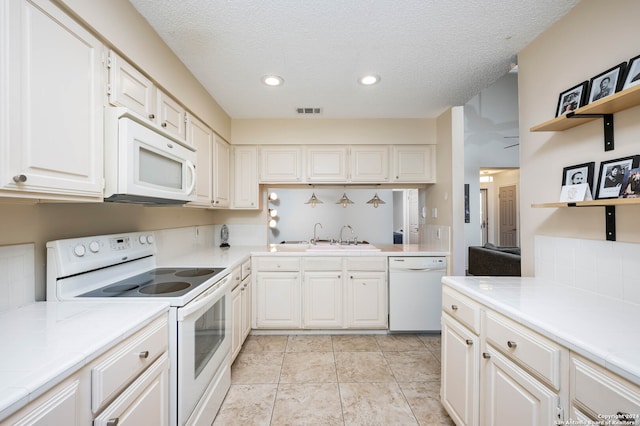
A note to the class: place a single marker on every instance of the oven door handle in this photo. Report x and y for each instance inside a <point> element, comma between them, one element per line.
<point>205,298</point>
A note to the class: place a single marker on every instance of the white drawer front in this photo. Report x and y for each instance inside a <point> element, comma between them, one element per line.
<point>277,263</point>
<point>322,263</point>
<point>461,308</point>
<point>366,263</point>
<point>123,364</point>
<point>537,353</point>
<point>608,397</point>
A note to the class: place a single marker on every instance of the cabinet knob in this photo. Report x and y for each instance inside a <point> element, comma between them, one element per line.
<point>19,178</point>
<point>113,422</point>
<point>511,344</point>
<point>469,342</point>
<point>164,124</point>
<point>454,307</point>
<point>144,354</point>
<point>152,116</point>
<point>486,355</point>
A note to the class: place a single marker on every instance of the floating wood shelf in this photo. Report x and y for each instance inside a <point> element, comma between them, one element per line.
<point>611,104</point>
<point>594,203</point>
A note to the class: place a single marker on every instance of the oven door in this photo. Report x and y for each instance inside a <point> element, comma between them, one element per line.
<point>204,342</point>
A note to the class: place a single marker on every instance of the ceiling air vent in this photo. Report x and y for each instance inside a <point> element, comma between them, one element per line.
<point>309,111</point>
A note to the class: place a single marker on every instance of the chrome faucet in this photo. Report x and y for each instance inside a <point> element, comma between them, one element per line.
<point>342,229</point>
<point>315,238</point>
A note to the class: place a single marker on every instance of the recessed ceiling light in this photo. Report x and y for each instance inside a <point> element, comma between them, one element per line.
<point>369,80</point>
<point>272,80</point>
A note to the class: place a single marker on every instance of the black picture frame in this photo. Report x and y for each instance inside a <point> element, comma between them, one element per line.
<point>572,99</point>
<point>580,173</point>
<point>610,183</point>
<point>631,184</point>
<point>632,76</point>
<point>613,76</point>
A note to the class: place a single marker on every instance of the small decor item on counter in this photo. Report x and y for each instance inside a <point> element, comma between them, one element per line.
<point>633,73</point>
<point>606,83</point>
<point>631,184</point>
<point>580,173</point>
<point>572,99</point>
<point>224,236</point>
<point>612,174</point>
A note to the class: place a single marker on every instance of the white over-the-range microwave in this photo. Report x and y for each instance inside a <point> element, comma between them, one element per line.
<point>145,164</point>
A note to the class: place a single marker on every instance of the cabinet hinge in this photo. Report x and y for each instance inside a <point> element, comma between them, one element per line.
<point>559,414</point>
<point>108,89</point>
<point>108,61</point>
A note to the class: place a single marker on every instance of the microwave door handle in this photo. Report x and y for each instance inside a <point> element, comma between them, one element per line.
<point>192,169</point>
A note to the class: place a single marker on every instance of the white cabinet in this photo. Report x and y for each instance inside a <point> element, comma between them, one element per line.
<point>414,163</point>
<point>277,292</point>
<point>326,163</point>
<point>247,292</point>
<point>172,116</point>
<point>201,138</point>
<point>221,171</point>
<point>240,307</point>
<point>322,292</point>
<point>369,163</point>
<point>52,80</point>
<point>245,178</point>
<point>280,164</point>
<point>460,372</point>
<point>366,300</point>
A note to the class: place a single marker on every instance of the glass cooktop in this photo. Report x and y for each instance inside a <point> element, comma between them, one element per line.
<point>160,282</point>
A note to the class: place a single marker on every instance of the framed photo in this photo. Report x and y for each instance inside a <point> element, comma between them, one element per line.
<point>572,99</point>
<point>580,173</point>
<point>631,184</point>
<point>633,73</point>
<point>612,174</point>
<point>606,83</point>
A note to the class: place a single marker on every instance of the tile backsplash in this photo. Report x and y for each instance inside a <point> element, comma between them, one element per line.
<point>17,276</point>
<point>609,268</point>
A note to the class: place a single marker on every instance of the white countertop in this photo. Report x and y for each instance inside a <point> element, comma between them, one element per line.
<point>602,329</point>
<point>45,342</point>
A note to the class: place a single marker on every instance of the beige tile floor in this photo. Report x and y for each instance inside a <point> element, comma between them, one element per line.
<point>336,380</point>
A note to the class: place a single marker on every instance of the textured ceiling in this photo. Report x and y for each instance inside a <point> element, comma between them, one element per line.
<point>431,54</point>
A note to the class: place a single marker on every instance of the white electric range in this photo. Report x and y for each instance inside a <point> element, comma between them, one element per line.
<point>123,267</point>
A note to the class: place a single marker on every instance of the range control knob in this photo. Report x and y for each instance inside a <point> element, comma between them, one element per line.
<point>94,246</point>
<point>142,239</point>
<point>150,239</point>
<point>79,250</point>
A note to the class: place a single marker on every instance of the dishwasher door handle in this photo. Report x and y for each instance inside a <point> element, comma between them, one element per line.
<point>419,269</point>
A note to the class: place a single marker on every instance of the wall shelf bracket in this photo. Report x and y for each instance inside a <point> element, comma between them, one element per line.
<point>609,220</point>
<point>607,127</point>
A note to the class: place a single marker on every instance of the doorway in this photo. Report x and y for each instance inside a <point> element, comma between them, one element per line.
<point>508,216</point>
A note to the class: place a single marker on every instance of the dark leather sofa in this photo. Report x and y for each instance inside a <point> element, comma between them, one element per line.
<point>490,260</point>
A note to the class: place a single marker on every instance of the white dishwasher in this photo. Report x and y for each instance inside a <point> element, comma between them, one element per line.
<point>415,293</point>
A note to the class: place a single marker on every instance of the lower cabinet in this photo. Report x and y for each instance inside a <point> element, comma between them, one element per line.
<point>322,299</point>
<point>367,305</point>
<point>240,307</point>
<point>278,300</point>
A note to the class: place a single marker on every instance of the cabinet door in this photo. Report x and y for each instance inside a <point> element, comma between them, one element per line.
<point>246,308</point>
<point>245,178</point>
<point>221,169</point>
<point>236,321</point>
<point>326,163</point>
<point>414,163</point>
<point>367,300</point>
<point>129,88</point>
<point>460,372</point>
<point>201,138</point>
<point>278,300</point>
<point>369,163</point>
<point>280,164</point>
<point>171,115</point>
<point>322,299</point>
<point>53,80</point>
<point>513,397</point>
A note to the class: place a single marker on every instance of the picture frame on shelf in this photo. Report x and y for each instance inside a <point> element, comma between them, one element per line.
<point>632,77</point>
<point>572,99</point>
<point>612,175</point>
<point>580,173</point>
<point>631,184</point>
<point>606,83</point>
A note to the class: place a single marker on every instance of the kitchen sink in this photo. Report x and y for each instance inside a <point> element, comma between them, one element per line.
<point>342,247</point>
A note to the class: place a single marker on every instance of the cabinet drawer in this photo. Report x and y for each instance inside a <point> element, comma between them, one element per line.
<point>246,269</point>
<point>277,264</point>
<point>236,277</point>
<point>366,263</point>
<point>534,352</point>
<point>604,394</point>
<point>322,263</point>
<point>461,308</point>
<point>123,364</point>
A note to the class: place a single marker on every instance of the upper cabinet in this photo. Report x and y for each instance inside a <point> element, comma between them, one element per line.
<point>245,178</point>
<point>414,163</point>
<point>327,163</point>
<point>201,138</point>
<point>52,81</point>
<point>280,164</point>
<point>369,163</point>
<point>221,173</point>
<point>130,88</point>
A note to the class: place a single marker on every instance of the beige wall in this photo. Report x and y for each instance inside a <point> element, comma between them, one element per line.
<point>590,39</point>
<point>329,131</point>
<point>120,26</point>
